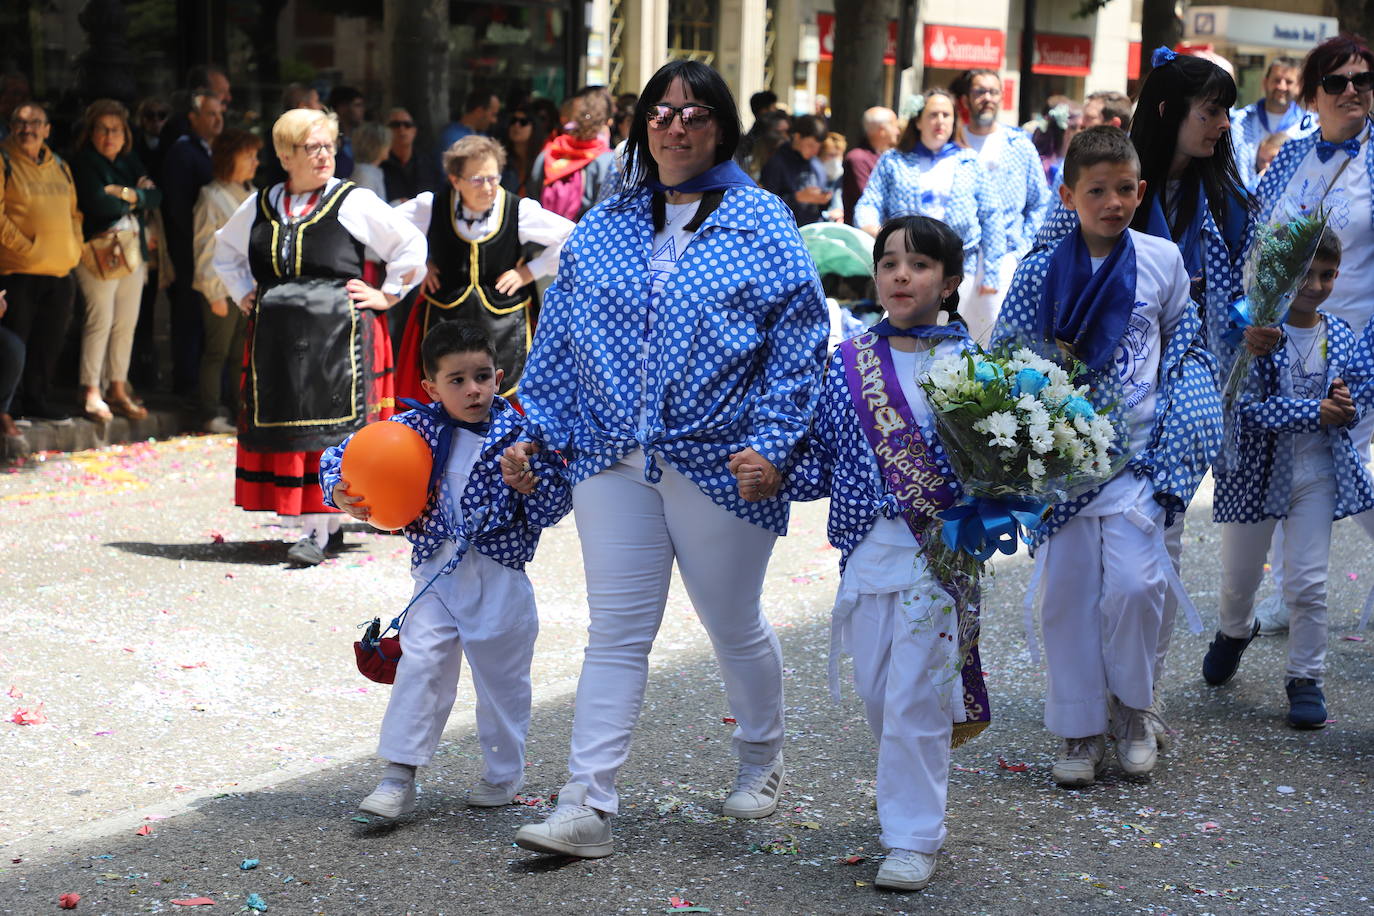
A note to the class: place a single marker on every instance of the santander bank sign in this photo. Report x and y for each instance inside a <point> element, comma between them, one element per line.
<point>953,47</point>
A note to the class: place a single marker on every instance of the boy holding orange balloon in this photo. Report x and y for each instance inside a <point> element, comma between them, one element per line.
<point>470,542</point>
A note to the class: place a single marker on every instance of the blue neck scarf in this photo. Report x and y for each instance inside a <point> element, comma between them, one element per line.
<point>446,427</point>
<point>954,330</point>
<point>1190,243</point>
<point>1086,312</point>
<point>720,177</point>
<point>935,155</point>
<point>1286,120</point>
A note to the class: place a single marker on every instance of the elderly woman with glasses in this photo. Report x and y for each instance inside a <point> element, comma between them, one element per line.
<point>683,338</point>
<point>477,231</point>
<point>318,356</point>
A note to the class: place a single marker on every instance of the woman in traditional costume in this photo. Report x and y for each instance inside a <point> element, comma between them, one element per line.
<point>317,363</point>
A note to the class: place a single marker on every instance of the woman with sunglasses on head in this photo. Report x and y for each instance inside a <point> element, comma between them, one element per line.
<point>1333,167</point>
<point>683,338</point>
<point>474,221</point>
<point>317,363</point>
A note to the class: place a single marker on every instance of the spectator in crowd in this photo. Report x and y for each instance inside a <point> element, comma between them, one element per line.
<point>760,104</point>
<point>831,158</point>
<point>234,161</point>
<point>1019,192</point>
<point>624,118</point>
<point>371,142</point>
<point>151,117</point>
<point>40,243</point>
<point>116,196</point>
<point>299,95</point>
<point>350,107</point>
<point>1062,122</point>
<point>1278,112</point>
<point>880,135</point>
<point>1106,107</point>
<point>407,174</point>
<point>11,368</point>
<point>481,108</point>
<point>1269,148</point>
<point>794,173</point>
<point>185,171</point>
<point>199,79</point>
<point>523,141</point>
<point>575,168</point>
<point>774,127</point>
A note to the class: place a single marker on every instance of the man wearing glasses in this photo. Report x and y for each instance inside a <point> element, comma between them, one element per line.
<point>40,244</point>
<point>1020,191</point>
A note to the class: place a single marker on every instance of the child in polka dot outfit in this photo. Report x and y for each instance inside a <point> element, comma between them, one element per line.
<point>899,619</point>
<point>1295,461</point>
<point>1118,300</point>
<point>470,546</point>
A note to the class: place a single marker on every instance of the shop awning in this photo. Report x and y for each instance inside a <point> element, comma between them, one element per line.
<point>953,47</point>
<point>1233,25</point>
<point>825,27</point>
<point>1062,55</point>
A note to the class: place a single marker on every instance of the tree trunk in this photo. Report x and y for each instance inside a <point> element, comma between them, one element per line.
<point>1158,26</point>
<point>417,48</point>
<point>856,74</point>
<point>1357,17</point>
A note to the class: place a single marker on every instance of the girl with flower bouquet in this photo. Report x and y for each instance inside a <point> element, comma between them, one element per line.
<point>911,628</point>
<point>1118,301</point>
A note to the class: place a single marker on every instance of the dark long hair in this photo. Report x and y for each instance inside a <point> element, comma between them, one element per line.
<point>1175,86</point>
<point>707,86</point>
<point>932,238</point>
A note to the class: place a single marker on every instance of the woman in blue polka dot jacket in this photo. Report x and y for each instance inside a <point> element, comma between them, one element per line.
<point>684,337</point>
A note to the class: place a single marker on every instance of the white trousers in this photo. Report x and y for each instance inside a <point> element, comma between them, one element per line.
<point>909,713</point>
<point>1173,542</point>
<point>980,310</point>
<point>485,611</point>
<point>1306,550</point>
<point>631,532</point>
<point>111,315</point>
<point>1101,617</point>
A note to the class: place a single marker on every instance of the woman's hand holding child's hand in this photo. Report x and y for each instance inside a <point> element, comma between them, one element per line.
<point>515,467</point>
<point>348,503</point>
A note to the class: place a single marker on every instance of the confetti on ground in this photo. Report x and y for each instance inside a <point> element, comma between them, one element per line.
<point>145,830</point>
<point>256,903</point>
<point>358,818</point>
<point>854,859</point>
<point>216,537</point>
<point>728,720</point>
<point>194,901</point>
<point>248,864</point>
<point>1014,767</point>
<point>68,901</point>
<point>1353,638</point>
<point>783,847</point>
<point>1286,790</point>
<point>24,716</point>
<point>683,905</point>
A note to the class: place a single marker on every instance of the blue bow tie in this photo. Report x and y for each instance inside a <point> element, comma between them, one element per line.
<point>1325,149</point>
<point>447,425</point>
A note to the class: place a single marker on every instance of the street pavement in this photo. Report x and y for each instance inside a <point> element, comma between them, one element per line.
<point>195,705</point>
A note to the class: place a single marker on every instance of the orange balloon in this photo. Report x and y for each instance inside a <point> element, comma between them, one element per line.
<point>388,465</point>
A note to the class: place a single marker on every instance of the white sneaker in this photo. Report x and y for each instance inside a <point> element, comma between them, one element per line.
<point>219,426</point>
<point>1080,761</point>
<point>906,870</point>
<point>1272,614</point>
<point>486,795</point>
<point>756,790</point>
<point>391,798</point>
<point>1134,731</point>
<point>1163,737</point>
<point>573,829</point>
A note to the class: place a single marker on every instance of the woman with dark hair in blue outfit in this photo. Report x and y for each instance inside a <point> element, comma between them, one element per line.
<point>683,338</point>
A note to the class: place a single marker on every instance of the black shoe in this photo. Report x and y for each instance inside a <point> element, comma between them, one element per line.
<point>336,542</point>
<point>305,552</point>
<point>1223,656</point>
<point>1306,704</point>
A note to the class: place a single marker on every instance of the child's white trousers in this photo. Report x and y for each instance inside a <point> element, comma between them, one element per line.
<point>485,611</point>
<point>632,530</point>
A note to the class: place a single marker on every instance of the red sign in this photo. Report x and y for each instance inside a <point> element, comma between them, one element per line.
<point>952,47</point>
<point>825,24</point>
<point>1062,55</point>
<point>1133,61</point>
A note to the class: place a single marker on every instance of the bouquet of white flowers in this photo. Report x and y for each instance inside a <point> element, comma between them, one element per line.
<point>1022,434</point>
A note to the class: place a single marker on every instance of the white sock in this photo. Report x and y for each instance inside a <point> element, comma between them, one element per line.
<point>403,772</point>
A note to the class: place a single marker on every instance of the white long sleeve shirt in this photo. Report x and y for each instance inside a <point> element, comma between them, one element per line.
<point>535,226</point>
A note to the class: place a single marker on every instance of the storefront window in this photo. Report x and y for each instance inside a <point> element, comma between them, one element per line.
<point>692,30</point>
<point>514,50</point>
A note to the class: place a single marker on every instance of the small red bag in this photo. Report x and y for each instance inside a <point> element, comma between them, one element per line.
<point>377,655</point>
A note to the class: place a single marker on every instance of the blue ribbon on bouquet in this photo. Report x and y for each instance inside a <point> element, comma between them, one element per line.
<point>981,526</point>
<point>1238,319</point>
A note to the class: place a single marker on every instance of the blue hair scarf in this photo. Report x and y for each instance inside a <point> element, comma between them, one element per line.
<point>1086,312</point>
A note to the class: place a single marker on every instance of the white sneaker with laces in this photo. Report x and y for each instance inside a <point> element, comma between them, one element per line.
<point>574,829</point>
<point>1080,761</point>
<point>906,870</point>
<point>1272,614</point>
<point>756,790</point>
<point>486,795</point>
<point>391,798</point>
<point>1134,731</point>
<point>1163,737</point>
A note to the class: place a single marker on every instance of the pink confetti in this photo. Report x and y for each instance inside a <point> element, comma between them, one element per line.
<point>145,830</point>
<point>216,537</point>
<point>1211,825</point>
<point>193,665</point>
<point>33,716</point>
<point>1014,767</point>
<point>68,901</point>
<point>728,720</point>
<point>1353,638</point>
<point>1352,576</point>
<point>194,901</point>
<point>15,693</point>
